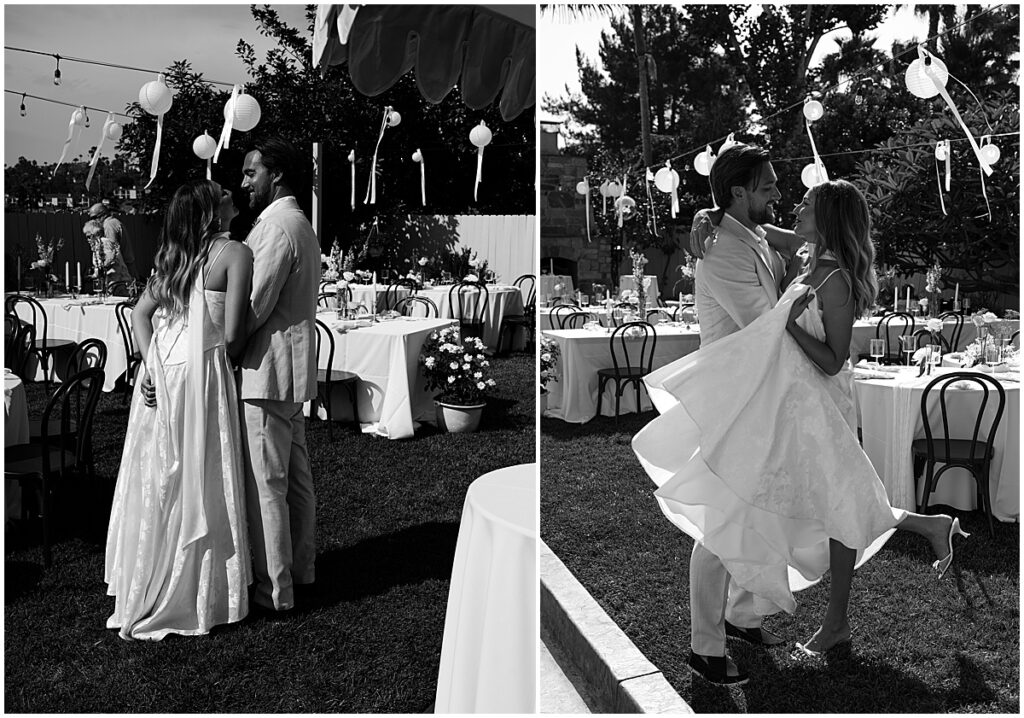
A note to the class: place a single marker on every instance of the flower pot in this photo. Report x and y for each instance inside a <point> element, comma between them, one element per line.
<point>457,419</point>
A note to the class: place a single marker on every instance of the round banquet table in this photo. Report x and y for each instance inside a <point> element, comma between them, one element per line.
<point>890,419</point>
<point>489,650</point>
<point>502,301</point>
<point>15,432</point>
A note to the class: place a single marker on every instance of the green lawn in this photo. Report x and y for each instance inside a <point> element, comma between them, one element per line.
<point>368,638</point>
<point>919,645</point>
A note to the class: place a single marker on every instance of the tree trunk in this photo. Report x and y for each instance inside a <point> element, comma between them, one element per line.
<point>641,63</point>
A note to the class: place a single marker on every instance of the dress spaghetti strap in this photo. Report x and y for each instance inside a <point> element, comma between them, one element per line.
<point>206,270</point>
<point>822,282</point>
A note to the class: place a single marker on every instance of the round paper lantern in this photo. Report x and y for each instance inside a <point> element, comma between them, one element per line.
<point>114,131</point>
<point>78,117</point>
<point>990,153</point>
<point>813,110</point>
<point>940,152</point>
<point>614,189</point>
<point>155,97</point>
<point>702,162</point>
<point>626,205</point>
<point>480,136</point>
<point>918,82</point>
<point>812,176</point>
<point>417,156</point>
<point>245,111</point>
<point>666,179</point>
<point>351,155</point>
<point>204,146</point>
<point>394,118</point>
<point>603,189</point>
<point>582,187</point>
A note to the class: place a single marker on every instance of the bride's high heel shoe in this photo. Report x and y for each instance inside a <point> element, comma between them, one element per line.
<point>942,565</point>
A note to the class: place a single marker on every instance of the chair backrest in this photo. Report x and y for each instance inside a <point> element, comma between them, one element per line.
<point>982,438</point>
<point>90,353</point>
<point>120,288</point>
<point>123,312</point>
<point>33,311</point>
<point>1015,338</point>
<point>75,400</point>
<point>407,305</point>
<point>324,342</point>
<point>560,311</point>
<point>527,282</point>
<point>929,338</point>
<point>658,316</point>
<point>685,313</point>
<point>636,341</point>
<point>566,302</point>
<point>680,286</point>
<point>392,295</point>
<point>958,327</point>
<point>902,322</point>
<point>573,320</point>
<point>20,344</point>
<point>469,300</point>
<point>324,300</point>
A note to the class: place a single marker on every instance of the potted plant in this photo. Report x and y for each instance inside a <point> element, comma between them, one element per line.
<point>458,368</point>
<point>548,361</point>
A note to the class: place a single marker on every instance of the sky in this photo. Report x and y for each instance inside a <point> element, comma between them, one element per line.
<point>559,41</point>
<point>144,36</point>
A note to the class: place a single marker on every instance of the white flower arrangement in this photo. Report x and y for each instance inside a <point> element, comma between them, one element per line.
<point>471,278</point>
<point>549,354</point>
<point>456,366</point>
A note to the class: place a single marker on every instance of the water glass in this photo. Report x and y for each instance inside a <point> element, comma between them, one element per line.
<point>935,354</point>
<point>877,350</point>
<point>908,345</point>
<point>585,300</point>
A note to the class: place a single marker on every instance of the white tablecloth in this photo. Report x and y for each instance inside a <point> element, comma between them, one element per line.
<point>573,397</point>
<point>365,295</point>
<point>15,432</point>
<point>385,356</point>
<point>502,301</point>
<point>78,320</point>
<point>890,419</point>
<point>546,287</point>
<point>864,332</point>
<point>489,650</point>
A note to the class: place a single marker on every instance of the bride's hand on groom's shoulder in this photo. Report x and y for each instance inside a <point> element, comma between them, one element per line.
<point>705,222</point>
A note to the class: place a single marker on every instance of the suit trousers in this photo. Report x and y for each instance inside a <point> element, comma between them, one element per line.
<point>279,500</point>
<point>715,597</point>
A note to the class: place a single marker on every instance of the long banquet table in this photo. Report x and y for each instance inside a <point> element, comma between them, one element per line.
<point>384,356</point>
<point>573,397</point>
<point>489,650</point>
<point>890,419</point>
<point>502,301</point>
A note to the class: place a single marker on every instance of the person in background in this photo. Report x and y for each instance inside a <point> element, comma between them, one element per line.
<point>114,231</point>
<point>107,258</point>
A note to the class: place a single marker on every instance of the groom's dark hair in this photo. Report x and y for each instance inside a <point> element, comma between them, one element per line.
<point>739,165</point>
<point>279,155</point>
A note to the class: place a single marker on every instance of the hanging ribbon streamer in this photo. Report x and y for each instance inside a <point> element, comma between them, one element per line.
<point>371,188</point>
<point>352,162</point>
<point>649,177</point>
<point>981,174</point>
<point>480,136</point>
<point>620,205</point>
<point>942,152</point>
<point>417,156</point>
<point>229,120</point>
<point>675,188</point>
<point>99,148</point>
<point>74,129</point>
<point>586,205</point>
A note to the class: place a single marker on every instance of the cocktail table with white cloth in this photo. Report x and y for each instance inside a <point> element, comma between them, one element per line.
<point>489,649</point>
<point>547,283</point>
<point>385,356</point>
<point>80,319</point>
<point>890,420</point>
<point>502,301</point>
<point>573,397</point>
<point>15,432</point>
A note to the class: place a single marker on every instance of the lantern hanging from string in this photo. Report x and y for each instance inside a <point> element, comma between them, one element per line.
<point>417,157</point>
<point>391,118</point>
<point>988,150</point>
<point>942,154</point>
<point>614,188</point>
<point>667,181</point>
<point>702,162</point>
<point>480,136</point>
<point>111,131</point>
<point>603,190</point>
<point>626,207</point>
<point>814,173</point>
<point>75,125</point>
<point>813,110</point>
<point>204,147</point>
<point>652,217</point>
<point>155,98</point>
<point>583,188</point>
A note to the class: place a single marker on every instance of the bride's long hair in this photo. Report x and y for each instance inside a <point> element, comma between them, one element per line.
<point>184,244</point>
<point>844,228</point>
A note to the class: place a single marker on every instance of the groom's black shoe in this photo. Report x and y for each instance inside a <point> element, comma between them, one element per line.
<point>715,669</point>
<point>759,636</point>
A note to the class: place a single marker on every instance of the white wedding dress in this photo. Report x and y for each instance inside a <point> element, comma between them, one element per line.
<point>177,556</point>
<point>755,455</point>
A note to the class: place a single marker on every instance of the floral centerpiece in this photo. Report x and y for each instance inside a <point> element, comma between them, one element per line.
<point>458,368</point>
<point>688,270</point>
<point>639,261</point>
<point>933,285</point>
<point>330,265</point>
<point>44,264</point>
<point>549,353</point>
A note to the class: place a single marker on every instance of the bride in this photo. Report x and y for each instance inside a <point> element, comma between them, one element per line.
<point>756,453</point>
<point>177,557</point>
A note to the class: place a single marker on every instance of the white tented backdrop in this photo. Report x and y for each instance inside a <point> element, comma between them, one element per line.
<point>506,241</point>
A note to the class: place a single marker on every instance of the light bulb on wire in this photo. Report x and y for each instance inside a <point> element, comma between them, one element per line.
<point>23,110</point>
<point>87,118</point>
<point>56,72</point>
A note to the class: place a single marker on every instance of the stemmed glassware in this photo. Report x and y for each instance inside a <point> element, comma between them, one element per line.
<point>908,345</point>
<point>877,350</point>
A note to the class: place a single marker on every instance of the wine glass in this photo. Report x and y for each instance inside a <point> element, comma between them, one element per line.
<point>585,300</point>
<point>908,345</point>
<point>877,350</point>
<point>935,355</point>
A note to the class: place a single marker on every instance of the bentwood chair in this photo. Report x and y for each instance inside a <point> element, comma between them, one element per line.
<point>560,312</point>
<point>574,320</point>
<point>57,457</point>
<point>1015,338</point>
<point>468,302</point>
<point>890,327</point>
<point>393,294</point>
<point>407,306</point>
<point>20,339</point>
<point>974,454</point>
<point>929,338</point>
<point>329,377</point>
<point>958,327</point>
<point>657,316</point>
<point>632,348</point>
<point>45,348</point>
<point>133,357</point>
<point>528,319</point>
<point>686,313</point>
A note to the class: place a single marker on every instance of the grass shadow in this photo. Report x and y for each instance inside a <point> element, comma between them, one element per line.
<point>20,579</point>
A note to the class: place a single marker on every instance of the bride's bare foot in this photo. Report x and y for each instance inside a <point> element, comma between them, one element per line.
<point>938,535</point>
<point>827,637</point>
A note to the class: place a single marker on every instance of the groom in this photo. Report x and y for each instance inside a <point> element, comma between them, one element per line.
<point>278,375</point>
<point>737,280</point>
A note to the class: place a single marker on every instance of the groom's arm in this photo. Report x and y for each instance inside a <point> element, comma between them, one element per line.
<point>272,259</point>
<point>731,271</point>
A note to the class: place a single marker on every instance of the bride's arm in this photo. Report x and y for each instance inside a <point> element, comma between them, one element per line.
<point>783,241</point>
<point>236,303</point>
<point>142,328</point>
<point>835,297</point>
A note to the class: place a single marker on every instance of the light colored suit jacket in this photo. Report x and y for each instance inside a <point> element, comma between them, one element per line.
<point>279,362</point>
<point>733,286</point>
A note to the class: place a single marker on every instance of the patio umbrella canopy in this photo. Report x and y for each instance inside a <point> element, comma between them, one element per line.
<point>486,50</point>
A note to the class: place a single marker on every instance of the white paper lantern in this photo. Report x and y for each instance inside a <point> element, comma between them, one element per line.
<point>417,156</point>
<point>990,153</point>
<point>614,189</point>
<point>204,146</point>
<point>114,131</point>
<point>813,175</point>
<point>155,97</point>
<point>78,117</point>
<point>351,155</point>
<point>603,189</point>
<point>582,187</point>
<point>244,111</point>
<point>626,205</point>
<point>813,110</point>
<point>940,152</point>
<point>666,179</point>
<point>918,82</point>
<point>703,162</point>
<point>480,136</point>
<point>394,119</point>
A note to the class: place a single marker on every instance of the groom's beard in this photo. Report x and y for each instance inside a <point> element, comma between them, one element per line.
<point>764,215</point>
